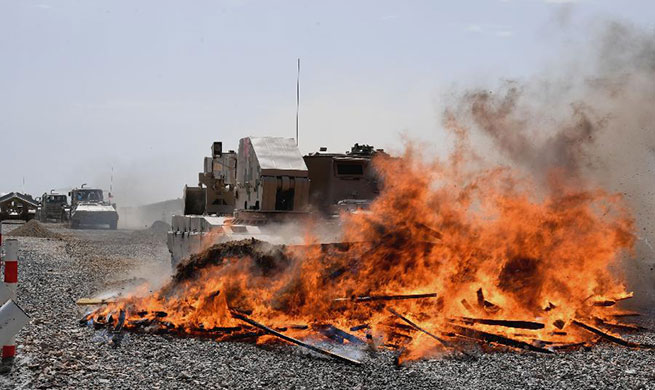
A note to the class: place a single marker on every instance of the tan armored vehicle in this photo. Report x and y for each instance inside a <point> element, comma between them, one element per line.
<point>342,181</point>
<point>88,209</point>
<point>268,183</point>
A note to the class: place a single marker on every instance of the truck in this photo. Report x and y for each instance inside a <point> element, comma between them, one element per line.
<point>268,185</point>
<point>53,207</point>
<point>89,209</point>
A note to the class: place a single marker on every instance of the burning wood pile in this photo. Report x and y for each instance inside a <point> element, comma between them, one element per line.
<point>447,261</point>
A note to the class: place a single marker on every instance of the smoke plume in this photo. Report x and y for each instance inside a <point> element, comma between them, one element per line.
<point>590,123</point>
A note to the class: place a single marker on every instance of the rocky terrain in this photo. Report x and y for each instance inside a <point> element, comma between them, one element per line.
<point>54,351</point>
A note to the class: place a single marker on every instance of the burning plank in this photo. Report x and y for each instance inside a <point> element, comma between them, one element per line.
<point>338,334</point>
<point>359,327</point>
<point>467,306</point>
<point>484,304</point>
<point>626,314</point>
<point>605,302</point>
<point>550,306</point>
<point>506,323</point>
<point>498,339</point>
<point>610,337</point>
<point>443,342</point>
<point>618,325</point>
<point>294,341</point>
<point>372,298</point>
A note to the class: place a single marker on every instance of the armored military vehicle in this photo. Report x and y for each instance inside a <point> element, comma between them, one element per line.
<point>268,182</point>
<point>88,209</point>
<point>54,207</point>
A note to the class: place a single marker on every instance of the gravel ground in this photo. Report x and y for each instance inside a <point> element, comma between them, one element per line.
<point>55,352</point>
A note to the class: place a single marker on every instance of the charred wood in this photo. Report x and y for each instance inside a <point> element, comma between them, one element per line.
<point>609,337</point>
<point>85,319</point>
<point>372,298</point>
<point>467,306</point>
<point>298,327</point>
<point>550,307</point>
<point>140,323</point>
<point>604,303</point>
<point>293,340</point>
<point>498,339</point>
<point>359,327</point>
<point>442,341</point>
<point>484,304</point>
<point>618,326</point>
<point>337,334</point>
<point>506,323</point>
<point>626,314</point>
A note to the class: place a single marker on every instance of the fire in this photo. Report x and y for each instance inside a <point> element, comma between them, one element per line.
<point>504,256</point>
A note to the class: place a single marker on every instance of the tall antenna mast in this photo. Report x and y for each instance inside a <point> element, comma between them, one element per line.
<point>297,99</point>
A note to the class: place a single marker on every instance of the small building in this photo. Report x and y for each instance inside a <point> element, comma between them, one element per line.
<point>15,205</point>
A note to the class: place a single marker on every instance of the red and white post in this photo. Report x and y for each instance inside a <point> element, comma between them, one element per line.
<point>11,281</point>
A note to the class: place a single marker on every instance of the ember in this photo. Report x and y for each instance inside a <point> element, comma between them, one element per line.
<point>470,255</point>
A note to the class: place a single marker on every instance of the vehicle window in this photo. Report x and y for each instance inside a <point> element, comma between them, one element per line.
<point>350,169</point>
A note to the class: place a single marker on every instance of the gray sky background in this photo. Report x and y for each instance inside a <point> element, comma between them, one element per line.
<point>146,86</point>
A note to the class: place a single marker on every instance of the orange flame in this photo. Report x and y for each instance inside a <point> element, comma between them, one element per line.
<point>484,239</point>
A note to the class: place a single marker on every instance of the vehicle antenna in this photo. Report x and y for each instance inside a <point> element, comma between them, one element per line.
<point>297,99</point>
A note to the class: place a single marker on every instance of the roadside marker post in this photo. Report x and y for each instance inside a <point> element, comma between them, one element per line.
<point>11,283</point>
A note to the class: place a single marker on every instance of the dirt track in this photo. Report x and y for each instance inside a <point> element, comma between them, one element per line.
<point>54,351</point>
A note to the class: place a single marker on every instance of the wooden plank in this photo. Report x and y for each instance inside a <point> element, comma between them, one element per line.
<point>619,326</point>
<point>293,340</point>
<point>467,306</point>
<point>604,303</point>
<point>335,333</point>
<point>609,337</point>
<point>94,301</point>
<point>484,304</point>
<point>443,342</point>
<point>372,298</point>
<point>506,323</point>
<point>498,339</point>
<point>626,314</point>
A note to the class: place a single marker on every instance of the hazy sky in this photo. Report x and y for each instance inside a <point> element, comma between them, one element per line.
<point>146,86</point>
